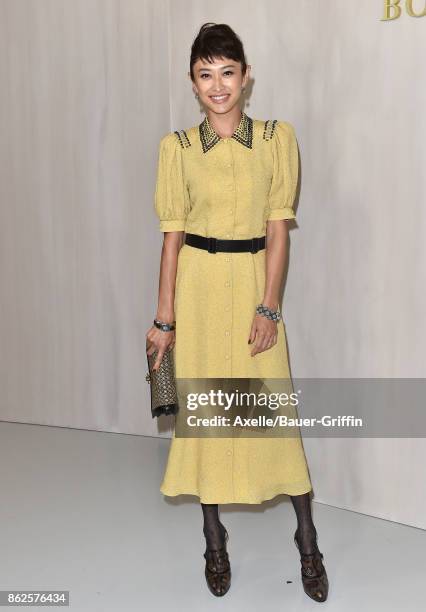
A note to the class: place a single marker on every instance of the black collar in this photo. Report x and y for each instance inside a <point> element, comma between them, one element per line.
<point>243,133</point>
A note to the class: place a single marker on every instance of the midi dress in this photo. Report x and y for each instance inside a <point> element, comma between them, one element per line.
<point>227,188</point>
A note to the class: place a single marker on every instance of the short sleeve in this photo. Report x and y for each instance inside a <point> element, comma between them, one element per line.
<point>285,172</point>
<point>171,194</point>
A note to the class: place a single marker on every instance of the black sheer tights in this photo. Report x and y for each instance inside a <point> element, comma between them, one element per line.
<point>212,530</point>
<point>306,532</point>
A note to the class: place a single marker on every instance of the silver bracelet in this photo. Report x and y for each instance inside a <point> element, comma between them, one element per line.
<point>274,315</point>
<point>164,326</point>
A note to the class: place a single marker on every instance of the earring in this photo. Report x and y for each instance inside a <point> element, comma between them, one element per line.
<point>196,94</point>
<point>243,88</point>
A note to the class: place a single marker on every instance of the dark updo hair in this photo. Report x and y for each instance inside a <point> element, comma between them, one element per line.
<point>217,40</point>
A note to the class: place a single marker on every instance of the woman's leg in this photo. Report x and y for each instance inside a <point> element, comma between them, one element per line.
<point>314,575</point>
<point>218,567</point>
<point>305,525</point>
<point>212,529</point>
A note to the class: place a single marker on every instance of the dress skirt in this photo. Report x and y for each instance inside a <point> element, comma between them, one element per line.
<point>215,302</point>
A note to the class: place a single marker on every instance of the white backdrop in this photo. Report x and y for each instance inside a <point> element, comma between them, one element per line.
<point>87,90</point>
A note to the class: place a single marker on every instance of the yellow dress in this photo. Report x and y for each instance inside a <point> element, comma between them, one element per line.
<point>227,188</point>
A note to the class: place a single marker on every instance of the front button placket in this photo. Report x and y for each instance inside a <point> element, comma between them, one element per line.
<point>230,205</point>
<point>243,136</point>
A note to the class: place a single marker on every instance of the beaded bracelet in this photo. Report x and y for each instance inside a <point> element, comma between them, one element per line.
<point>274,315</point>
<point>164,326</point>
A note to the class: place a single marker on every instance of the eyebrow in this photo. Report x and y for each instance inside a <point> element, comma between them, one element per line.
<point>209,69</point>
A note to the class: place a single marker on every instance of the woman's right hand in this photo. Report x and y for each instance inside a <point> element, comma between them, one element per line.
<point>161,341</point>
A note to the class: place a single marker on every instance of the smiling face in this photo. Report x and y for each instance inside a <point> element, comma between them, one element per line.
<point>219,84</point>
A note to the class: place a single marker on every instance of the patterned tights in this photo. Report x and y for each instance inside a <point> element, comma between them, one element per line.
<point>305,526</point>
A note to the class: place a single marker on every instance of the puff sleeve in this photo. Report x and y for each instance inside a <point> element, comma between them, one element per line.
<point>171,194</point>
<point>285,172</point>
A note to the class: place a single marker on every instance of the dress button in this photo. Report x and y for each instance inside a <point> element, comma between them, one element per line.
<point>226,356</point>
<point>227,259</point>
<point>228,235</point>
<point>227,332</point>
<point>227,284</point>
<point>229,452</point>
<point>227,308</point>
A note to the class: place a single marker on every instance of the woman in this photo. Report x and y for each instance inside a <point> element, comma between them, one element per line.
<point>230,179</point>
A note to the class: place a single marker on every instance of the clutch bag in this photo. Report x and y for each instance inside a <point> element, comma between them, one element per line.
<point>163,384</point>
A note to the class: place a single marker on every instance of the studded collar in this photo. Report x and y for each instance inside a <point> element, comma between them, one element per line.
<point>243,133</point>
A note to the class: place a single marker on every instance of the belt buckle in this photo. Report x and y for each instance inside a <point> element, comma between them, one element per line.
<point>212,245</point>
<point>254,245</point>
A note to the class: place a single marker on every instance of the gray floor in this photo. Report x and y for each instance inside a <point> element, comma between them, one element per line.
<point>82,511</point>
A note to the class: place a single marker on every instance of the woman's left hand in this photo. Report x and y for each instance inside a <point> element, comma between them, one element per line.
<point>263,334</point>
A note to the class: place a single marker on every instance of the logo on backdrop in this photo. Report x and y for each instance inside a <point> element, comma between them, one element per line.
<point>393,9</point>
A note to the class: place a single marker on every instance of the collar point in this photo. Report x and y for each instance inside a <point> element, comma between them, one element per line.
<point>243,133</point>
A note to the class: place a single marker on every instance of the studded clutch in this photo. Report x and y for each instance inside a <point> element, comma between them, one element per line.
<point>163,384</point>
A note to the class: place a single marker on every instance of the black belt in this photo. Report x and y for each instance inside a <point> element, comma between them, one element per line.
<point>213,245</point>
